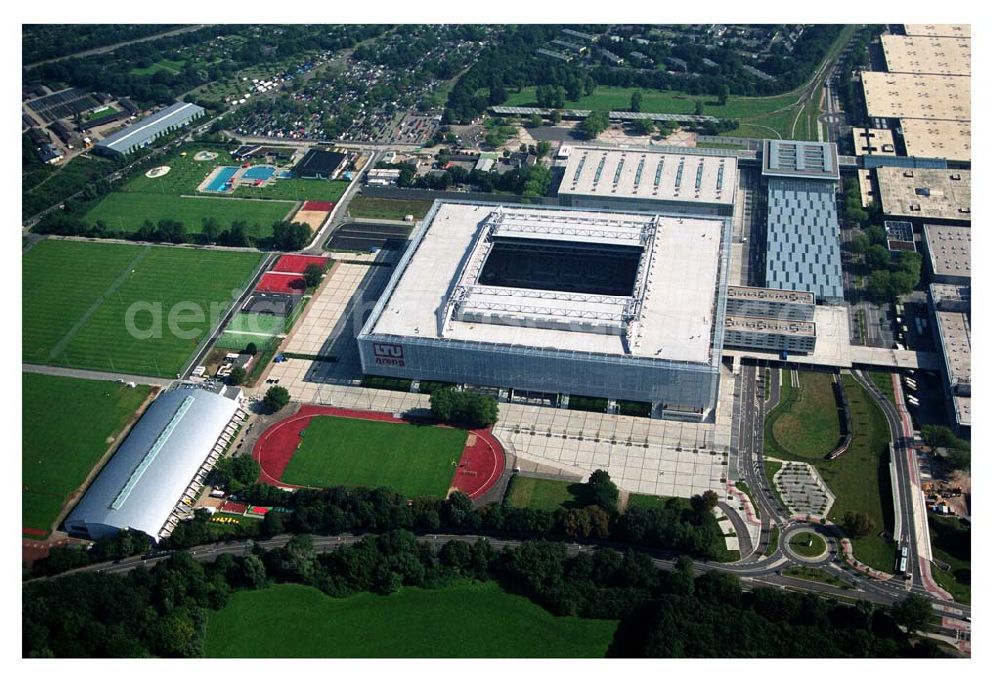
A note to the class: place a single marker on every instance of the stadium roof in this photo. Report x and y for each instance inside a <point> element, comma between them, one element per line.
<point>671,314</point>
<point>926,193</point>
<point>940,30</point>
<point>938,139</point>
<point>800,160</point>
<point>925,54</point>
<point>871,141</point>
<point>926,97</point>
<point>141,485</point>
<point>144,130</point>
<point>649,175</point>
<point>950,250</point>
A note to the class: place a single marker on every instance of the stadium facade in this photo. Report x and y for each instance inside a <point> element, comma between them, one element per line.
<point>155,474</point>
<point>144,132</point>
<point>618,305</point>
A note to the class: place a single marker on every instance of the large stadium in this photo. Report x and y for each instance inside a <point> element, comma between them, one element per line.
<point>563,301</point>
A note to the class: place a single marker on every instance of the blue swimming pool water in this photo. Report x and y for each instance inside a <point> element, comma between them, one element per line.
<point>218,184</point>
<point>285,174</point>
<point>262,173</point>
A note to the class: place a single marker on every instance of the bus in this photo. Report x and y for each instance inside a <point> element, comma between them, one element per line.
<point>903,560</point>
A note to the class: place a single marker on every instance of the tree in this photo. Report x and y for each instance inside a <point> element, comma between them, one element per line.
<point>602,492</point>
<point>210,228</point>
<point>543,148</point>
<point>723,95</point>
<point>699,107</point>
<point>237,376</point>
<point>272,525</point>
<point>313,274</point>
<point>251,348</point>
<point>595,123</point>
<point>857,524</point>
<point>276,398</point>
<point>914,613</point>
<point>464,408</point>
<point>635,104</point>
<point>535,120</point>
<point>705,502</point>
<point>644,126</point>
<point>555,116</point>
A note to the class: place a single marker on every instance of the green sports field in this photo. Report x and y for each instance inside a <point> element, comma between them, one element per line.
<point>257,323</point>
<point>76,298</point>
<point>61,443</point>
<point>126,212</point>
<point>536,492</point>
<point>465,620</point>
<point>415,460</point>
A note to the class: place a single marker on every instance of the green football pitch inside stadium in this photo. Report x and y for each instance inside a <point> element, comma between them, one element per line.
<point>78,298</point>
<point>62,443</point>
<point>415,460</point>
<point>464,620</point>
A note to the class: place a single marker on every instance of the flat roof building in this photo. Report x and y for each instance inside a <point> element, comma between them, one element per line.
<point>871,141</point>
<point>165,459</point>
<point>926,97</point>
<point>948,139</point>
<point>623,305</point>
<point>800,160</point>
<point>608,178</point>
<point>926,194</point>
<point>320,164</point>
<point>899,236</point>
<point>785,304</point>
<point>927,54</point>
<point>951,307</point>
<point>145,131</point>
<point>939,30</point>
<point>771,334</point>
<point>949,249</point>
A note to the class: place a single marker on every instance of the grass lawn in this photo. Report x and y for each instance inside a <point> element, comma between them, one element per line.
<point>657,101</point>
<point>171,66</point>
<point>464,620</point>
<point>818,575</point>
<point>363,207</point>
<point>534,492</point>
<point>860,478</point>
<point>61,443</point>
<point>883,381</point>
<point>297,189</point>
<point>415,460</point>
<point>77,296</point>
<point>805,425</point>
<point>100,113</point>
<point>126,212</point>
<point>257,323</point>
<point>807,545</point>
<point>952,543</point>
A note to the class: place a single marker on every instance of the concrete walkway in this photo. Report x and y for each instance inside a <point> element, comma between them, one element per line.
<point>94,375</point>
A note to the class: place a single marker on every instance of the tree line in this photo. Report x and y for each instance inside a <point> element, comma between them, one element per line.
<point>164,610</point>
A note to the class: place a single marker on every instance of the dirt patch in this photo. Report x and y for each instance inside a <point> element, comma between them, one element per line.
<point>205,155</point>
<point>157,172</point>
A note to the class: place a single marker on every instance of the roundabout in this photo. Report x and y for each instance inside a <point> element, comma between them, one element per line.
<point>806,544</point>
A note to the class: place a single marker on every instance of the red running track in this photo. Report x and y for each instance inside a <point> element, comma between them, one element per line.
<point>297,263</point>
<point>281,283</point>
<point>479,467</point>
<point>317,206</point>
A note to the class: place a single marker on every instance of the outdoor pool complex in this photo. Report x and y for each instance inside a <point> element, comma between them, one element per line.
<point>218,184</point>
<point>260,173</point>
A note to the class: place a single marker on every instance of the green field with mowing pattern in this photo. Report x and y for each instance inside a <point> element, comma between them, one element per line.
<point>77,298</point>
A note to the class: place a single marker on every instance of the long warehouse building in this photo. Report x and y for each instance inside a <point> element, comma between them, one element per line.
<point>618,305</point>
<point>162,464</point>
<point>144,132</point>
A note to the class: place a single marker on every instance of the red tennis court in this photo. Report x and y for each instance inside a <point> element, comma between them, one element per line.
<point>281,283</point>
<point>297,263</point>
<point>479,467</point>
<point>316,206</point>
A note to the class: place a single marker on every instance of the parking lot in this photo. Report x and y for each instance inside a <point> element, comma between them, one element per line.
<point>362,237</point>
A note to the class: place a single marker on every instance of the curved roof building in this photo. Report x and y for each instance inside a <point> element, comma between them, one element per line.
<point>167,455</point>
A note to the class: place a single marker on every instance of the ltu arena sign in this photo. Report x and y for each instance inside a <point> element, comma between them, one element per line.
<point>389,354</point>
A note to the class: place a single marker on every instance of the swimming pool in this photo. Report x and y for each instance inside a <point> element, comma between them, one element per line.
<point>259,173</point>
<point>218,184</point>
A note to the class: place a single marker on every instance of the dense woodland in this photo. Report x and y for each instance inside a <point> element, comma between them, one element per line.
<point>163,611</point>
<point>48,41</point>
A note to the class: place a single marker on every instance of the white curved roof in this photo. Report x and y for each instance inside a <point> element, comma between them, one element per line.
<point>142,483</point>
